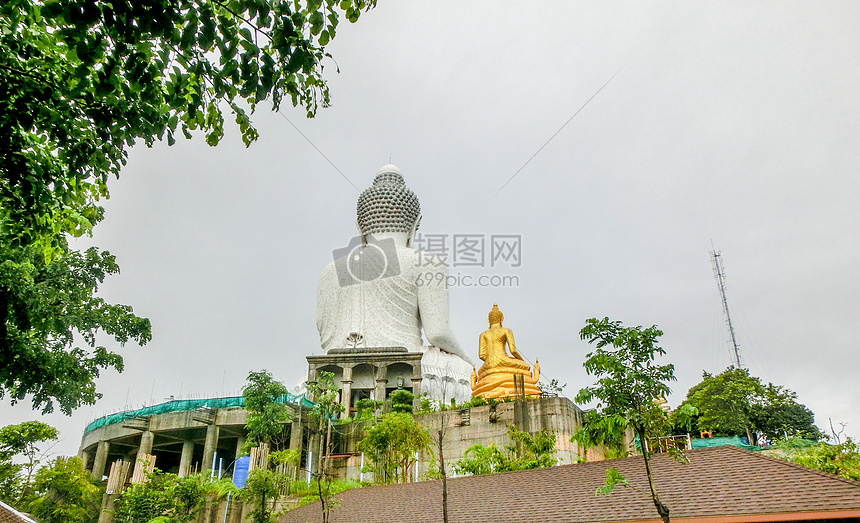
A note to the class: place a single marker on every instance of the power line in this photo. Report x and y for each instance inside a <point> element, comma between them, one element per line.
<point>555,134</point>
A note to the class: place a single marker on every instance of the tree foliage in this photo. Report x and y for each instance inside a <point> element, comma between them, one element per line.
<point>82,80</point>
<point>527,452</point>
<point>50,318</point>
<point>65,493</point>
<point>401,401</point>
<point>164,497</point>
<point>842,459</point>
<point>390,447</point>
<point>267,418</point>
<point>734,403</point>
<point>264,485</point>
<point>628,383</point>
<point>22,440</point>
<point>327,407</point>
<point>777,414</point>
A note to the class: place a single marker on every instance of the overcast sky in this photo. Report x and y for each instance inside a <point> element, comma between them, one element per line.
<point>732,123</point>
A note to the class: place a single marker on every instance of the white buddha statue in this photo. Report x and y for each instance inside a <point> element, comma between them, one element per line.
<point>381,292</point>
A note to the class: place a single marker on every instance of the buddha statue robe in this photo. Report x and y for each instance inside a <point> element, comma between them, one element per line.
<point>496,377</point>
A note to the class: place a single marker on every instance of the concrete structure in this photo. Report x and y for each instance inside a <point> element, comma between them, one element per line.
<point>182,441</point>
<point>484,425</point>
<point>380,292</point>
<point>185,442</point>
<point>371,373</point>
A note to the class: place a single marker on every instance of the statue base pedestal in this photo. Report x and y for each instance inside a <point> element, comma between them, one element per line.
<point>499,383</point>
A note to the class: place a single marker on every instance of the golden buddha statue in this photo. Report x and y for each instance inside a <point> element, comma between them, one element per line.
<point>495,378</point>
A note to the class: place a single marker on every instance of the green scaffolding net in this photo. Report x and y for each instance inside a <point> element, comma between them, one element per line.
<point>185,405</point>
<point>734,441</point>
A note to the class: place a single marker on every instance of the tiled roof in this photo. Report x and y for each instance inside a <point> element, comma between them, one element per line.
<point>10,515</point>
<point>719,485</point>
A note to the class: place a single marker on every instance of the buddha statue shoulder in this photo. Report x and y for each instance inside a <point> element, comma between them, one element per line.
<point>496,377</point>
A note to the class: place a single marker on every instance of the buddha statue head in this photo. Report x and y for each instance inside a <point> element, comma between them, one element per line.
<point>388,206</point>
<point>495,317</point>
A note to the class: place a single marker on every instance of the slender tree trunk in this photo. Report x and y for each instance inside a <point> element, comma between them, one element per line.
<point>662,509</point>
<point>444,479</point>
<point>322,501</point>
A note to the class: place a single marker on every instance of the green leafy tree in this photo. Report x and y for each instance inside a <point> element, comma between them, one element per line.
<point>325,410</point>
<point>390,447</point>
<point>734,403</point>
<point>65,493</point>
<point>777,414</point>
<point>527,452</point>
<point>267,418</point>
<point>264,486</point>
<point>82,80</point>
<point>50,317</point>
<point>401,401</point>
<point>628,383</point>
<point>551,389</point>
<point>24,440</point>
<point>165,498</point>
<point>725,402</point>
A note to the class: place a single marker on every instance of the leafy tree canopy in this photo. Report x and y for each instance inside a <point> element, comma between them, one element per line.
<point>50,316</point>
<point>628,382</point>
<point>734,403</point>
<point>267,419</point>
<point>401,400</point>
<point>82,80</point>
<point>65,493</point>
<point>527,452</point>
<point>21,440</point>
<point>390,447</point>
<point>167,497</point>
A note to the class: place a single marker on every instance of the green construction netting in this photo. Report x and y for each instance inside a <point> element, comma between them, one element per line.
<point>719,442</point>
<point>184,405</point>
<point>710,442</point>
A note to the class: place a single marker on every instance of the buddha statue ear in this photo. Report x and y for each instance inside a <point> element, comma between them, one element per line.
<point>410,236</point>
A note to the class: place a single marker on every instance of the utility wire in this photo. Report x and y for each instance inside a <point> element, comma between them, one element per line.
<point>555,134</point>
<point>318,150</point>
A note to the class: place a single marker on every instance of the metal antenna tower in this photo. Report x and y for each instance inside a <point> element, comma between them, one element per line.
<point>720,276</point>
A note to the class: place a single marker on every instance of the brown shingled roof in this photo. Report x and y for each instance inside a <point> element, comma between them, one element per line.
<point>719,485</point>
<point>10,515</point>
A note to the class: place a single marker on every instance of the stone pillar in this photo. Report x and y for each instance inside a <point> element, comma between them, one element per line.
<point>101,460</point>
<point>416,387</point>
<point>346,390</point>
<point>240,442</point>
<point>85,457</point>
<point>146,438</point>
<point>209,447</point>
<point>381,382</point>
<point>297,430</point>
<point>107,508</point>
<point>312,378</point>
<point>185,460</point>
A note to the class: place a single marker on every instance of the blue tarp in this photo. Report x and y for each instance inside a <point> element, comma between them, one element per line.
<point>240,472</point>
